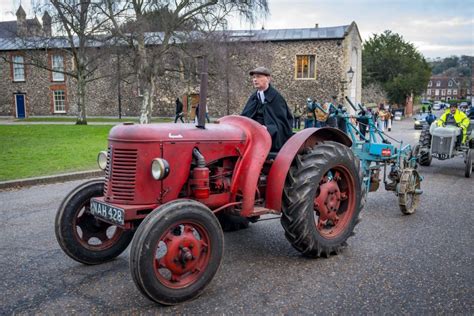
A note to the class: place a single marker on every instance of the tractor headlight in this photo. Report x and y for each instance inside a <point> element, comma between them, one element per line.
<point>102,160</point>
<point>160,169</point>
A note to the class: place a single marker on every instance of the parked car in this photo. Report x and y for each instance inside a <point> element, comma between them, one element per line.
<point>437,106</point>
<point>420,120</point>
<point>398,115</point>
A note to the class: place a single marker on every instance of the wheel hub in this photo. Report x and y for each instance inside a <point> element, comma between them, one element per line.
<point>327,203</point>
<point>185,255</point>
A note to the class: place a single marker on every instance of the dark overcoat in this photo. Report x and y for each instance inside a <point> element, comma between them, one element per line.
<point>277,116</point>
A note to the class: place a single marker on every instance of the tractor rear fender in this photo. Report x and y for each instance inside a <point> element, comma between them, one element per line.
<point>248,168</point>
<point>295,145</point>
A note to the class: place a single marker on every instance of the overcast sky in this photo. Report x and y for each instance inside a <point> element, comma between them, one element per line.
<point>438,28</point>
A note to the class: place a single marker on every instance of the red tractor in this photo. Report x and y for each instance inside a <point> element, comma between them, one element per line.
<point>166,185</point>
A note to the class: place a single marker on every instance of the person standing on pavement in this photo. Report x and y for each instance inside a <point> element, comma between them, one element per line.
<point>297,117</point>
<point>268,107</point>
<point>309,116</point>
<point>381,118</point>
<point>179,111</point>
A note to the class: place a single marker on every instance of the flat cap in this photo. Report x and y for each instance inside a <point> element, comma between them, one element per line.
<point>260,71</point>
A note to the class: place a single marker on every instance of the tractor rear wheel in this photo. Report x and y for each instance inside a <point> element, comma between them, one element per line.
<point>81,235</point>
<point>322,199</point>
<point>425,144</point>
<point>176,252</point>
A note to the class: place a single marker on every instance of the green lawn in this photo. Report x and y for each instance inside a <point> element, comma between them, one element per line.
<point>36,150</point>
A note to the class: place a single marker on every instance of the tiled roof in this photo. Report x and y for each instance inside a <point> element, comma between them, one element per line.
<point>444,82</point>
<point>322,33</point>
<point>7,29</point>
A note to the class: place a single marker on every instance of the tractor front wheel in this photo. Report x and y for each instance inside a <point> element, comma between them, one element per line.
<point>322,199</point>
<point>469,163</point>
<point>81,235</point>
<point>425,144</point>
<point>176,252</point>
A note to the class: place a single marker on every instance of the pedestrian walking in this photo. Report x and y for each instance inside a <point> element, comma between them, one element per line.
<point>179,111</point>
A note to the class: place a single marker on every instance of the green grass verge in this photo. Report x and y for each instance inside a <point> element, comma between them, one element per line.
<point>37,150</point>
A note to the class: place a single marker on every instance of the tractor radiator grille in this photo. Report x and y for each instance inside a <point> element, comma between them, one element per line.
<point>120,174</point>
<point>442,145</point>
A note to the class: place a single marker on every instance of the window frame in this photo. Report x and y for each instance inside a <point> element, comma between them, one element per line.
<point>438,83</point>
<point>61,69</point>
<point>309,67</point>
<point>17,65</point>
<point>54,91</point>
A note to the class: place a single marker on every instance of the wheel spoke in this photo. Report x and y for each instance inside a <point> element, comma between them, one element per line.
<point>188,229</point>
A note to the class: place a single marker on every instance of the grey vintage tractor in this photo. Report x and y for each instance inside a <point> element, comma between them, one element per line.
<point>444,142</point>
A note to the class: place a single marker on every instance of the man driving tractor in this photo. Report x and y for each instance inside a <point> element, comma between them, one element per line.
<point>455,117</point>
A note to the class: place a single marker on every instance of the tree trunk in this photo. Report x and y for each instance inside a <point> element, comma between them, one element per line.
<point>81,101</point>
<point>147,101</point>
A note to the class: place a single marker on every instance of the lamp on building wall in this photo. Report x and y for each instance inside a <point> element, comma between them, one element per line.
<point>349,76</point>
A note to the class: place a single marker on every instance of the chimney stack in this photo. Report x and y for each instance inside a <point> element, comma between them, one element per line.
<point>21,22</point>
<point>46,24</point>
<point>316,25</point>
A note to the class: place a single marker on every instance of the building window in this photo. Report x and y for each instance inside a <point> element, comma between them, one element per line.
<point>59,99</point>
<point>18,68</point>
<point>450,83</point>
<point>438,83</point>
<point>57,63</point>
<point>449,91</point>
<point>305,67</point>
<point>428,92</point>
<point>430,83</point>
<point>455,91</point>
<point>437,92</point>
<point>443,91</point>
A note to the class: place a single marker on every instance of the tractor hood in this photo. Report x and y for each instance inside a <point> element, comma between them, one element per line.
<point>171,132</point>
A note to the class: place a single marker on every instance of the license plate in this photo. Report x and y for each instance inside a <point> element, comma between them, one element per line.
<point>107,212</point>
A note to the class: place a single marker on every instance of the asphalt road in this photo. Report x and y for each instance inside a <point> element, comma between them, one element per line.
<point>395,264</point>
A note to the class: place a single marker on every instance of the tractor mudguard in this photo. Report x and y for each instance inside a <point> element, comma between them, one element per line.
<point>248,168</point>
<point>304,139</point>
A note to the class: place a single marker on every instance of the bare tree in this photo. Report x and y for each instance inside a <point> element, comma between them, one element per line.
<point>81,21</point>
<point>184,21</point>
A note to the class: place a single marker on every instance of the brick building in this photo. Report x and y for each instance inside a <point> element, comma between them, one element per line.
<point>312,62</point>
<point>448,88</point>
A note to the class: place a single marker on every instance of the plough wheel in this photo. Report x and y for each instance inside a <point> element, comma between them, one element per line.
<point>408,197</point>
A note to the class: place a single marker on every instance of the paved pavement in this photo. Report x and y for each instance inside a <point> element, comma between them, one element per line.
<point>395,264</point>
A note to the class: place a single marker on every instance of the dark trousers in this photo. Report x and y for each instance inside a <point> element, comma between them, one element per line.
<point>179,116</point>
<point>296,123</point>
<point>319,123</point>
